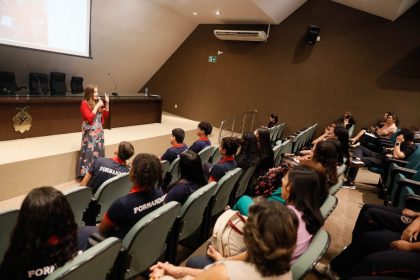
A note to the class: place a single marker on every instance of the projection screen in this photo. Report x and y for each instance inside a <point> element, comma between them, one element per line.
<point>61,26</point>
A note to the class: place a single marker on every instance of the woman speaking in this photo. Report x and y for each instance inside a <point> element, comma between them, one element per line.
<point>93,110</point>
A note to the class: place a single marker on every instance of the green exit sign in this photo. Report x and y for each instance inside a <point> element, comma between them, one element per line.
<point>212,58</point>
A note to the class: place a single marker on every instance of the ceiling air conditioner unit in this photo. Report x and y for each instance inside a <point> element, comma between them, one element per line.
<point>241,35</point>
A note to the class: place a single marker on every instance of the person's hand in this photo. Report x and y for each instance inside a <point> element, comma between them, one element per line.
<point>346,122</point>
<point>401,245</point>
<point>400,139</point>
<point>409,213</point>
<point>106,98</point>
<point>411,231</point>
<point>214,254</point>
<point>100,103</point>
<point>160,269</point>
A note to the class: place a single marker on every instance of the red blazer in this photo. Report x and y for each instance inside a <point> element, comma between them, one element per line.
<point>87,114</point>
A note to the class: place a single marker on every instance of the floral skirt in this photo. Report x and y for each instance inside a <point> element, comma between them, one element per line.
<point>92,148</point>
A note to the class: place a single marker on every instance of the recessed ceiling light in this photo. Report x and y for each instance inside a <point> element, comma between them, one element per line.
<point>218,12</point>
<point>195,13</point>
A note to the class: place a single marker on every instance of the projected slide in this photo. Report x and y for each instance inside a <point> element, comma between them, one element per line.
<point>53,25</point>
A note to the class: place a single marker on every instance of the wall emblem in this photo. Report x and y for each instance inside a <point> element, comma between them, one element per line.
<point>22,121</point>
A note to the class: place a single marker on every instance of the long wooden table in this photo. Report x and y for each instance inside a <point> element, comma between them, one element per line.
<point>61,114</point>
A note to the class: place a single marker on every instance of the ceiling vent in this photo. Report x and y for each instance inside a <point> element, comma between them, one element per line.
<point>241,35</point>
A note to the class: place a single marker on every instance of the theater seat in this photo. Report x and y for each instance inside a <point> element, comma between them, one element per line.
<point>94,263</point>
<point>145,243</point>
<point>328,206</point>
<point>8,221</point>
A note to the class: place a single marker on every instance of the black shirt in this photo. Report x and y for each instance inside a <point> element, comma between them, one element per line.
<point>103,169</point>
<point>181,190</point>
<point>219,170</point>
<point>200,144</point>
<point>407,149</point>
<point>171,153</point>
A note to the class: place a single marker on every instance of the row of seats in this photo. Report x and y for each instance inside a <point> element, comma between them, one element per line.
<point>38,84</point>
<point>139,250</point>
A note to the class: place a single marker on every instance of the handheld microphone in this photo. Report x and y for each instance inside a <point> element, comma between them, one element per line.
<point>115,93</point>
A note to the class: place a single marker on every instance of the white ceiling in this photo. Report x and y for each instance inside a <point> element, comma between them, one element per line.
<point>389,9</point>
<point>234,11</point>
<point>270,11</point>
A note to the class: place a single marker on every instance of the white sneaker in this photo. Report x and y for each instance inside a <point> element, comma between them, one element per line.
<point>357,163</point>
<point>349,186</point>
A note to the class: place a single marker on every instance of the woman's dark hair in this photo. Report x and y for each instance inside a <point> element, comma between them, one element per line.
<point>146,171</point>
<point>264,145</point>
<point>324,188</point>
<point>191,168</point>
<point>125,150</point>
<point>270,235</point>
<point>274,121</point>
<point>248,154</point>
<point>230,144</point>
<point>206,127</point>
<point>395,118</point>
<point>326,153</point>
<point>304,196</point>
<point>343,137</point>
<point>45,228</point>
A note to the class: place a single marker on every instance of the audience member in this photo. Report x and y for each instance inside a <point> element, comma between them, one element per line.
<point>191,179</point>
<point>144,197</point>
<point>382,253</point>
<point>273,120</point>
<point>178,146</point>
<point>44,238</point>
<point>347,120</point>
<point>248,151</point>
<point>103,168</point>
<point>204,129</point>
<point>386,130</point>
<point>327,154</point>
<point>270,238</point>
<point>266,151</point>
<point>404,147</point>
<point>228,148</point>
<point>300,189</point>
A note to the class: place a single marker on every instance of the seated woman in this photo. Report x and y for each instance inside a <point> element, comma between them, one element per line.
<point>274,119</point>
<point>328,154</point>
<point>44,238</point>
<point>347,120</point>
<point>266,153</point>
<point>144,197</point>
<point>270,238</point>
<point>248,151</point>
<point>386,130</point>
<point>191,179</point>
<point>228,148</point>
<point>300,190</point>
<point>338,133</point>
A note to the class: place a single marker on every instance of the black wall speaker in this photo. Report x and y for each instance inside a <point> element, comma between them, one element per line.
<point>311,34</point>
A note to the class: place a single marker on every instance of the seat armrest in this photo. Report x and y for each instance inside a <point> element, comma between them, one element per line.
<point>412,202</point>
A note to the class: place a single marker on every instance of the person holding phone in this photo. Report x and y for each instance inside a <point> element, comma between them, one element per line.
<point>93,111</point>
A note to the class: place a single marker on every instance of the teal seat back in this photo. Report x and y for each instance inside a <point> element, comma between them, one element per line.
<point>192,211</point>
<point>316,249</point>
<point>405,190</point>
<point>224,189</point>
<point>205,154</point>
<point>146,241</point>
<point>351,130</point>
<point>328,206</point>
<point>165,166</point>
<point>174,170</point>
<point>110,190</point>
<point>94,263</point>
<point>414,159</point>
<point>284,147</point>
<point>244,181</point>
<point>276,151</point>
<point>8,221</point>
<point>393,137</point>
<point>78,198</point>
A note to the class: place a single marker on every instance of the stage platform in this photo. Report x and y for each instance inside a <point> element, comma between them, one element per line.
<point>51,160</point>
